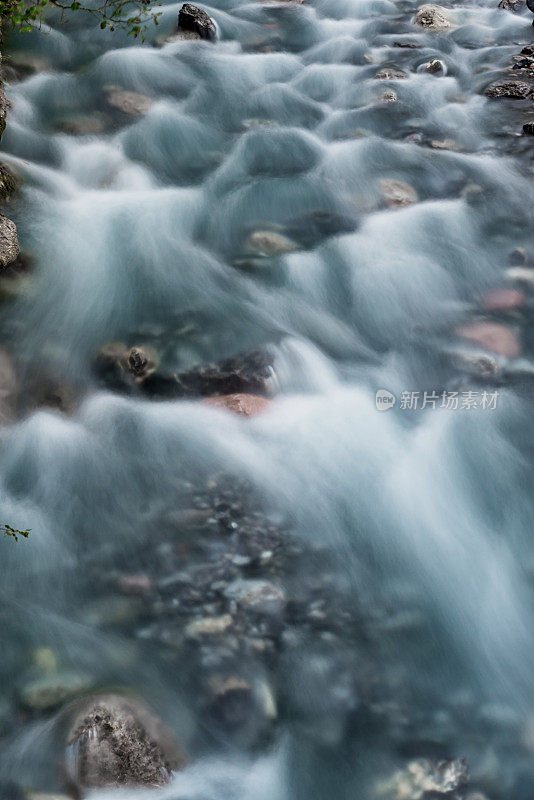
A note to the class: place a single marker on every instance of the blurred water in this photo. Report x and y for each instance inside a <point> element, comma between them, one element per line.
<point>138,228</point>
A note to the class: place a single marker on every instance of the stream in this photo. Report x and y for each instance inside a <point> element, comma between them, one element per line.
<point>306,187</point>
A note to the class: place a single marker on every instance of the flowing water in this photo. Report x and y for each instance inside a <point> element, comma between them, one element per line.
<point>138,229</point>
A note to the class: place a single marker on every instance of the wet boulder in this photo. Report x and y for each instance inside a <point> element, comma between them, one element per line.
<point>434,67</point>
<point>511,5</point>
<point>9,243</point>
<point>192,19</point>
<point>115,742</point>
<point>432,18</point>
<point>515,90</point>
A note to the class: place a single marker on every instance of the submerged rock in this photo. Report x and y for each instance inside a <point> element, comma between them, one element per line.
<point>269,243</point>
<point>503,300</point>
<point>528,128</point>
<point>388,74</point>
<point>132,103</point>
<point>50,691</point>
<point>8,388</point>
<point>515,90</point>
<point>9,243</point>
<point>192,19</point>
<point>116,741</point>
<point>397,194</point>
<point>432,18</point>
<point>247,405</point>
<point>492,336</point>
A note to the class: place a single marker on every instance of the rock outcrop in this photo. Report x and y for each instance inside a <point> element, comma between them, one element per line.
<point>432,18</point>
<point>117,741</point>
<point>192,19</point>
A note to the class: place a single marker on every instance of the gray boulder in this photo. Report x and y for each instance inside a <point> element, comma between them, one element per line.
<point>9,243</point>
<point>117,741</point>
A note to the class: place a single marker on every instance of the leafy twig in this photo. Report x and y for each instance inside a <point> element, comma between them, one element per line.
<point>14,532</point>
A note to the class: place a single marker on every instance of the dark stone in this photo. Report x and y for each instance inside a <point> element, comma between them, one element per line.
<point>8,182</point>
<point>247,373</point>
<point>191,18</point>
<point>524,63</point>
<point>528,50</point>
<point>511,5</point>
<point>410,45</point>
<point>116,741</point>
<point>530,5</point>
<point>516,90</point>
<point>528,128</point>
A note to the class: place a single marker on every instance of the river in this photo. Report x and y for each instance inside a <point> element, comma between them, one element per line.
<point>249,204</point>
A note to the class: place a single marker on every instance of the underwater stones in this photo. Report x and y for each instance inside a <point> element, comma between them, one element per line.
<point>278,151</point>
<point>9,243</point>
<point>389,74</point>
<point>503,300</point>
<point>424,778</point>
<point>491,336</point>
<point>246,405</point>
<point>135,585</point>
<point>131,103</point>
<point>8,387</point>
<point>432,18</point>
<point>397,194</point>
<point>116,742</point>
<point>269,243</point>
<point>388,96</point>
<point>50,691</point>
<point>82,125</point>
<point>515,90</point>
<point>208,626</point>
<point>528,128</point>
<point>262,597</point>
<point>194,20</point>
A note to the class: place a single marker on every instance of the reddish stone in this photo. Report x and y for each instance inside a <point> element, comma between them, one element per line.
<point>503,300</point>
<point>492,336</point>
<point>246,404</point>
